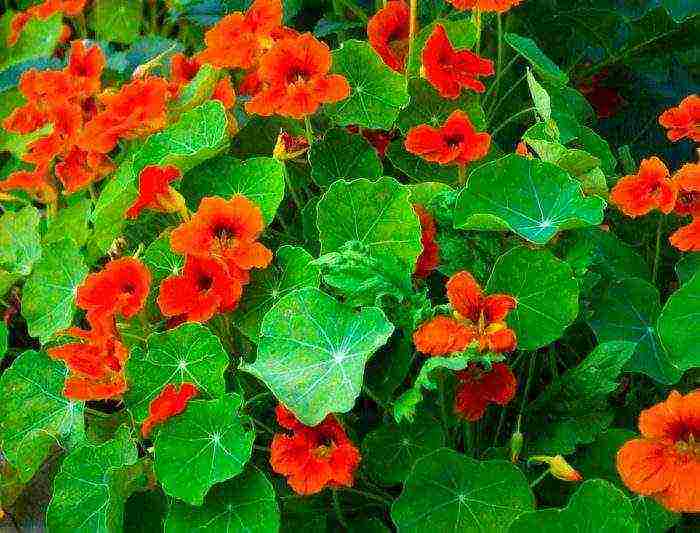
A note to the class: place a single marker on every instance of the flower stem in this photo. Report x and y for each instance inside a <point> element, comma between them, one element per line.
<point>355,10</point>
<point>499,60</point>
<point>370,495</point>
<point>309,130</point>
<point>339,510</point>
<point>657,250</point>
<point>462,174</point>
<point>539,479</point>
<point>510,119</point>
<point>412,27</point>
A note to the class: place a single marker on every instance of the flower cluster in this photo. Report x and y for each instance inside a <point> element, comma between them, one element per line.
<point>313,458</point>
<point>96,361</point>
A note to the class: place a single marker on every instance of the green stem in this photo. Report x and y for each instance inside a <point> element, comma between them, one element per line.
<point>443,407</point>
<point>657,250</point>
<point>510,119</point>
<point>504,98</point>
<point>295,197</point>
<point>476,18</point>
<point>309,129</point>
<point>370,495</point>
<point>539,479</point>
<point>528,382</point>
<point>499,60</point>
<point>412,27</point>
<point>355,10</point>
<point>339,510</point>
<point>256,397</point>
<point>462,174</point>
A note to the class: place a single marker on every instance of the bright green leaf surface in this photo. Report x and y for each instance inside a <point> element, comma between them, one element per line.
<point>678,325</point>
<point>161,260</point>
<point>71,222</point>
<point>20,243</point>
<point>118,21</point>
<point>343,155</point>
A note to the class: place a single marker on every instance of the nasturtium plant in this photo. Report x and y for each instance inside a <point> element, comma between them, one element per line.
<point>363,266</point>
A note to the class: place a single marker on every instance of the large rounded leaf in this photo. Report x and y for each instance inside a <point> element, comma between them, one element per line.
<point>596,507</point>
<point>627,312</point>
<point>313,351</point>
<point>188,353</point>
<point>375,213</point>
<point>377,93</point>
<point>20,242</point>
<point>533,198</point>
<point>210,442</point>
<point>34,414</point>
<point>448,491</point>
<point>342,155</point>
<point>244,504</point>
<point>678,325</point>
<point>546,291</point>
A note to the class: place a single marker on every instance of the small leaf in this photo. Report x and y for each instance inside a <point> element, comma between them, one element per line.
<point>627,312</point>
<point>342,155</point>
<point>313,351</point>
<point>546,292</point>
<point>246,503</point>
<point>293,269</point>
<point>593,143</point>
<point>48,297</point>
<point>543,104</point>
<point>197,91</point>
<point>677,325</point>
<point>377,93</point>
<point>117,21</point>
<point>378,214</point>
<point>260,179</point>
<point>71,222</point>
<point>539,61</point>
<point>448,491</point>
<point>188,353</point>
<point>597,506</point>
<point>210,442</point>
<point>20,242</point>
<point>34,414</point>
<point>390,451</point>
<point>530,197</point>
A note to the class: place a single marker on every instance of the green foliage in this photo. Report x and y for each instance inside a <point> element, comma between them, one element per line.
<point>38,39</point>
<point>20,242</point>
<point>540,62</point>
<point>677,325</point>
<point>341,155</point>
<point>117,20</point>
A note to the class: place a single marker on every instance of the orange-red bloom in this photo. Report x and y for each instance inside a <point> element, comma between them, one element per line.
<point>80,168</point>
<point>450,70</point>
<point>227,230</point>
<point>295,79</point>
<point>687,238</point>
<point>651,188</point>
<point>476,318</point>
<point>239,39</point>
<point>182,69</point>
<point>388,30</point>
<point>156,193</point>
<point>170,401</point>
<point>499,6</point>
<point>379,139</point>
<point>205,287</point>
<point>85,66</point>
<point>664,463</point>
<point>313,458</point>
<point>477,388</point>
<point>455,142</point>
<point>429,259</point>
<point>683,121</point>
<point>688,181</point>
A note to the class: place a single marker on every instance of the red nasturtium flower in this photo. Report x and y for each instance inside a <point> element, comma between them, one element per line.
<point>80,168</point>
<point>227,230</point>
<point>450,70</point>
<point>683,121</point>
<point>477,388</point>
<point>203,288</point>
<point>156,193</point>
<point>387,32</point>
<point>313,458</point>
<point>239,39</point>
<point>651,188</point>
<point>295,80</point>
<point>476,318</point>
<point>664,463</point>
<point>379,139</point>
<point>429,259</point>
<point>455,142</point>
<point>499,6</point>
<point>170,401</point>
<point>687,238</point>
<point>85,66</point>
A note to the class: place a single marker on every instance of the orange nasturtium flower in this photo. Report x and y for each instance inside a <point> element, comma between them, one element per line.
<point>683,121</point>
<point>455,142</point>
<point>477,388</point>
<point>688,181</point>
<point>170,401</point>
<point>651,188</point>
<point>239,39</point>
<point>450,70</point>
<point>687,238</point>
<point>387,32</point>
<point>429,259</point>
<point>664,463</point>
<point>476,318</point>
<point>500,6</point>
<point>295,80</point>
<point>156,193</point>
<point>313,458</point>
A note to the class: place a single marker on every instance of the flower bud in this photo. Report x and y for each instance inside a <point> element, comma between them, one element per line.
<point>558,467</point>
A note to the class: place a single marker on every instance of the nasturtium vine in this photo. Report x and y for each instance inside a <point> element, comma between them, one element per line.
<point>288,265</point>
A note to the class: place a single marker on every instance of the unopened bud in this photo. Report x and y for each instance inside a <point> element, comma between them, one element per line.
<point>289,146</point>
<point>558,467</point>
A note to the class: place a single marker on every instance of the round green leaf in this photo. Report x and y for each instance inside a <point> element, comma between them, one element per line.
<point>49,293</point>
<point>20,242</point>
<point>417,168</point>
<point>293,269</point>
<point>533,198</point>
<point>117,20</point>
<point>246,503</point>
<point>343,155</point>
<point>678,325</point>
<point>375,213</point>
<point>546,291</point>
<point>34,414</point>
<point>596,507</point>
<point>71,222</point>
<point>161,260</point>
<point>188,353</point>
<point>448,491</point>
<point>627,312</point>
<point>313,351</point>
<point>210,442</point>
<point>260,179</point>
<point>539,61</point>
<point>390,451</point>
<point>377,93</point>
<point>424,193</point>
<point>687,267</point>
